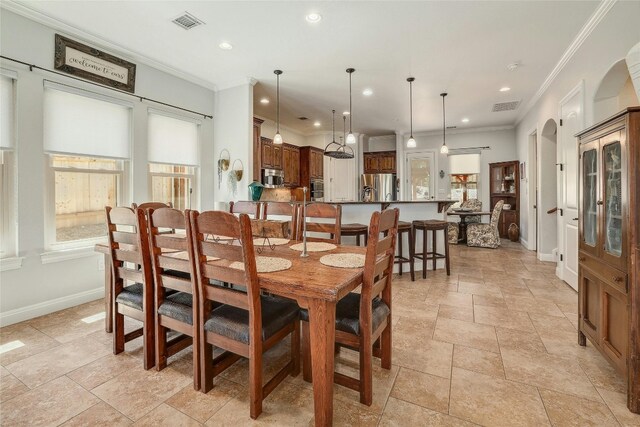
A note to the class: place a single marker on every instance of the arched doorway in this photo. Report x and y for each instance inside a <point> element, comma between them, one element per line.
<point>548,212</point>
<point>615,92</point>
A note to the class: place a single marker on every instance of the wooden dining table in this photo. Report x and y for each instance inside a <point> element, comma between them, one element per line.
<point>462,225</point>
<point>315,287</point>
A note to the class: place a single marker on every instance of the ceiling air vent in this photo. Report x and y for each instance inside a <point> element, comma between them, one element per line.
<point>187,21</point>
<point>505,106</point>
<point>303,118</point>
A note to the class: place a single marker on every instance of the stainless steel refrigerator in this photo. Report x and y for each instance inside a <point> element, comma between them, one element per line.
<point>378,187</point>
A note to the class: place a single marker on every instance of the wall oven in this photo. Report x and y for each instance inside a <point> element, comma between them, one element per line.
<point>272,178</point>
<point>317,190</point>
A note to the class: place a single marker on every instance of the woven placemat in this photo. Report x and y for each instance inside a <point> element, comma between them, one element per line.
<point>343,260</point>
<point>266,264</point>
<point>277,241</point>
<point>314,247</point>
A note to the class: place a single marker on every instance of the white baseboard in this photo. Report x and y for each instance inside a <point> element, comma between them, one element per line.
<point>524,243</point>
<point>29,312</point>
<point>547,257</point>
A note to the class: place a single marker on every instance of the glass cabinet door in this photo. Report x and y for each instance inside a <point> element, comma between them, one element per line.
<point>590,197</point>
<point>612,198</point>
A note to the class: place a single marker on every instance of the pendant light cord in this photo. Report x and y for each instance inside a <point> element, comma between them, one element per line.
<point>411,107</point>
<point>278,102</point>
<point>350,107</point>
<point>333,124</point>
<point>444,122</point>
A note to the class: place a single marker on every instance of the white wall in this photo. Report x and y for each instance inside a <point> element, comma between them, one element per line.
<point>290,136</point>
<point>502,148</point>
<point>381,143</point>
<point>37,288</point>
<point>608,43</point>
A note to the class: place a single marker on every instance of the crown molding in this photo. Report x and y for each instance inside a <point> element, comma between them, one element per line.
<point>460,131</point>
<point>22,9</point>
<point>598,15</point>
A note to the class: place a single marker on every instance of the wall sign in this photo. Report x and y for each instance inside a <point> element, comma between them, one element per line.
<point>92,64</point>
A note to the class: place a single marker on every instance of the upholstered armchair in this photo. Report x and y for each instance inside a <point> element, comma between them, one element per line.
<point>453,228</point>
<point>486,235</point>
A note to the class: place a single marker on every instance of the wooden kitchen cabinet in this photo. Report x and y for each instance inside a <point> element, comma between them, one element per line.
<point>291,165</point>
<point>311,165</point>
<point>257,149</point>
<point>266,145</point>
<point>277,156</point>
<point>609,236</point>
<point>504,184</point>
<point>380,162</point>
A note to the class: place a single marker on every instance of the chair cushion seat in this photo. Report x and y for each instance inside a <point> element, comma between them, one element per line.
<point>131,296</point>
<point>430,224</point>
<point>354,228</point>
<point>178,306</point>
<point>348,314</point>
<point>404,225</point>
<point>233,322</point>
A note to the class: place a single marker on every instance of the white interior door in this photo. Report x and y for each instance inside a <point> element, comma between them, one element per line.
<point>420,170</point>
<point>340,174</point>
<point>571,122</point>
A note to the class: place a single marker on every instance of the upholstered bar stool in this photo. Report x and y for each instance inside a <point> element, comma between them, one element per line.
<point>356,230</point>
<point>434,226</point>
<point>405,227</point>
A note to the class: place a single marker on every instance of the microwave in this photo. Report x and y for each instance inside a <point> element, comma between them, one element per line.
<point>272,178</point>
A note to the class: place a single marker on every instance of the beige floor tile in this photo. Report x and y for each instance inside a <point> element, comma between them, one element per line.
<point>136,392</point>
<point>434,356</point>
<point>602,375</point>
<point>166,416</point>
<point>485,289</point>
<point>490,401</point>
<point>34,342</point>
<point>50,404</point>
<point>453,299</point>
<point>504,318</point>
<point>99,415</point>
<point>532,305</point>
<point>489,301</point>
<point>422,389</point>
<point>102,370</point>
<point>11,387</point>
<point>570,411</point>
<point>617,402</point>
<point>399,413</point>
<point>43,367</point>
<point>350,414</point>
<point>474,335</point>
<point>472,359</point>
<point>200,406</point>
<point>407,304</point>
<point>548,371</point>
<point>458,313</point>
<point>519,340</point>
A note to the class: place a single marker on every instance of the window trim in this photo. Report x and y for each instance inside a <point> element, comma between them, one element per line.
<point>9,248</point>
<point>193,201</point>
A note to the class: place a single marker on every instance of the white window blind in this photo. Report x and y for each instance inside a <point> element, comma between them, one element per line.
<point>460,164</point>
<point>85,125</point>
<point>172,140</point>
<point>7,110</point>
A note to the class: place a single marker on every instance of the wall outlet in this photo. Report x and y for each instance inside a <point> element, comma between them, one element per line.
<point>101,264</point>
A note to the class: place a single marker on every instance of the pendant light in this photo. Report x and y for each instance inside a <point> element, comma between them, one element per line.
<point>351,139</point>
<point>411,143</point>
<point>277,138</point>
<point>335,149</point>
<point>444,149</point>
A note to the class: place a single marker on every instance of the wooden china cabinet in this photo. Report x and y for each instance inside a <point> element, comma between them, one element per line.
<point>609,241</point>
<point>505,185</point>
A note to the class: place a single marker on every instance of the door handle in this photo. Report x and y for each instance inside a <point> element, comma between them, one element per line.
<point>576,219</point>
<point>616,279</point>
<point>599,203</point>
<point>582,259</point>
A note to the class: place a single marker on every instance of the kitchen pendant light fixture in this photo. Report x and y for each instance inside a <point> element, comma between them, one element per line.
<point>277,138</point>
<point>335,149</point>
<point>411,143</point>
<point>444,149</point>
<point>351,138</point>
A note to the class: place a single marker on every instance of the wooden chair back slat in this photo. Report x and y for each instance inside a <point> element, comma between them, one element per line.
<point>227,296</point>
<point>320,211</point>
<point>171,263</point>
<point>171,242</point>
<point>223,274</point>
<point>378,286</point>
<point>384,244</point>
<point>285,209</point>
<point>222,249</point>
<point>153,205</point>
<point>176,283</point>
<point>127,255</point>
<point>125,237</point>
<point>379,259</point>
<point>249,208</point>
<point>126,273</point>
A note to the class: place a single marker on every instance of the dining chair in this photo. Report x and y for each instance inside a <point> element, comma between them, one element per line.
<point>283,209</point>
<point>325,212</point>
<point>486,235</point>
<point>131,262</point>
<point>365,318</point>
<point>175,294</point>
<point>247,324</point>
<point>154,205</point>
<point>249,208</point>
<point>453,228</point>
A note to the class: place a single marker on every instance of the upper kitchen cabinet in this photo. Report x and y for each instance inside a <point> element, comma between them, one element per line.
<point>380,162</point>
<point>271,157</point>
<point>291,165</point>
<point>311,165</point>
<point>257,149</point>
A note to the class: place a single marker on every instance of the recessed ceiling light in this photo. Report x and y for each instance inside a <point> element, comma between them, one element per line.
<point>264,101</point>
<point>367,92</point>
<point>513,66</point>
<point>465,120</point>
<point>225,46</point>
<point>316,124</point>
<point>313,17</point>
<point>505,89</point>
<point>346,113</point>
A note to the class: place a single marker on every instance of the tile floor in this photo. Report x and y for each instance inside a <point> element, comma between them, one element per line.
<point>493,344</point>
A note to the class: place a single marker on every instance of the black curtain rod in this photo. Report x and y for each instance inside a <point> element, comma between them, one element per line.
<point>141,98</point>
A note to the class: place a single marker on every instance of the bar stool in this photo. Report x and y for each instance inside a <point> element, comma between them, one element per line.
<point>356,230</point>
<point>432,225</point>
<point>405,227</point>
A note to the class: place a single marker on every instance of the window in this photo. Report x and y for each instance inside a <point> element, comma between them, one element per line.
<point>8,247</point>
<point>464,172</point>
<point>421,182</point>
<point>173,157</point>
<point>87,138</point>
<point>171,183</point>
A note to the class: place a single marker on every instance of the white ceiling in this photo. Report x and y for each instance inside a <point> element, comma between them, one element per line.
<point>459,47</point>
